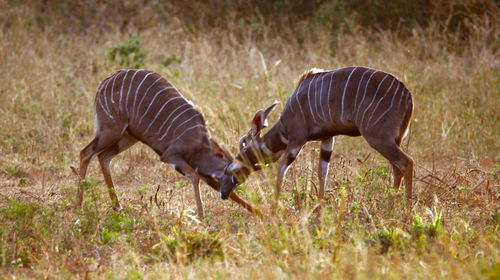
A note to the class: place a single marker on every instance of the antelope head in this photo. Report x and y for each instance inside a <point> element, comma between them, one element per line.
<point>252,152</point>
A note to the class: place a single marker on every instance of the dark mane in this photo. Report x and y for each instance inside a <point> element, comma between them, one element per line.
<point>308,73</point>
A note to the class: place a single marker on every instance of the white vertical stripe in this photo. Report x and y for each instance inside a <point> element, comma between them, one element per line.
<point>321,94</point>
<point>151,103</point>
<point>102,95</point>
<point>328,101</point>
<point>309,98</point>
<point>104,109</point>
<point>106,96</point>
<point>113,87</point>
<point>343,94</point>
<point>96,119</point>
<point>171,113</point>
<point>382,98</point>
<point>364,94</point>
<point>180,125</point>
<point>186,130</point>
<point>297,99</point>
<point>121,89</point>
<point>355,108</point>
<point>104,92</point>
<point>129,87</point>
<point>102,84</point>
<point>143,96</point>
<point>137,90</point>
<point>159,112</point>
<point>373,99</point>
<point>401,98</point>
<point>317,95</point>
<point>173,120</point>
<point>388,109</point>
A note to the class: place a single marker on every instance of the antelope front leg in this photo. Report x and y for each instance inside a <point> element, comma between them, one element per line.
<point>244,204</point>
<point>104,160</point>
<point>195,179</point>
<point>283,163</point>
<point>181,166</point>
<point>324,162</point>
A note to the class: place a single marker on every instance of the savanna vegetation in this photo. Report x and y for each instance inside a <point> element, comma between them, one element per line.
<point>232,58</point>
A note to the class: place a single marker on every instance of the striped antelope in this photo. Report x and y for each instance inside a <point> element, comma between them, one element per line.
<point>351,101</point>
<point>139,105</point>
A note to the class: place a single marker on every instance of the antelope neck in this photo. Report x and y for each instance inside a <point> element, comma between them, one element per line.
<point>273,140</point>
<point>207,164</point>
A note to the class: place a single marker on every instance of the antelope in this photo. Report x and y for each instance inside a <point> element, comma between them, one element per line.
<point>353,101</point>
<point>139,105</point>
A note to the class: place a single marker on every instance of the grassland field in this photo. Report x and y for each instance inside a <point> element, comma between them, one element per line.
<point>53,60</point>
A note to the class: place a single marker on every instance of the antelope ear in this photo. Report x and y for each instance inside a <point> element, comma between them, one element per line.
<point>221,152</point>
<point>260,120</point>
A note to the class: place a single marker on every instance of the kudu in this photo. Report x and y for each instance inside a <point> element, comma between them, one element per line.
<point>351,101</point>
<point>139,105</point>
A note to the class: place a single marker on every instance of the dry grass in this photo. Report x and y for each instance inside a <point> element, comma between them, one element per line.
<point>47,86</point>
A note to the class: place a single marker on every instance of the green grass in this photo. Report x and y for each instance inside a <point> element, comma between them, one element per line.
<point>52,62</point>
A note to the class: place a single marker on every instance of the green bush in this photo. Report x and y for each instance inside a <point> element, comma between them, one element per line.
<point>130,53</point>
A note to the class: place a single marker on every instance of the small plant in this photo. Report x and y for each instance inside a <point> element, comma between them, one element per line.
<point>170,60</point>
<point>432,229</point>
<point>143,191</point>
<point>494,172</point>
<point>16,171</point>
<point>130,53</point>
<point>24,228</point>
<point>392,237</point>
<point>13,170</point>
<point>115,224</point>
<point>186,246</point>
<point>436,226</point>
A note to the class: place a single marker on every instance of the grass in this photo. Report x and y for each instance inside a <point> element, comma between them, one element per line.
<point>50,73</point>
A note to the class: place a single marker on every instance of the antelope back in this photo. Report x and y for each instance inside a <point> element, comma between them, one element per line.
<point>149,107</point>
<point>351,100</point>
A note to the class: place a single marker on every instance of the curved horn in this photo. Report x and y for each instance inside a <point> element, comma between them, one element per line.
<point>267,111</point>
<point>260,120</point>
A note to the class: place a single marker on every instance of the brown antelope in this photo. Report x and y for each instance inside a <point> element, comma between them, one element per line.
<point>139,105</point>
<point>351,101</point>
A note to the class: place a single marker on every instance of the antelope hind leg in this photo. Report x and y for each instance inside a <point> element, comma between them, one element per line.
<point>105,159</point>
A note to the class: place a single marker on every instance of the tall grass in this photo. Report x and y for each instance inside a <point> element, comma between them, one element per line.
<point>53,57</point>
